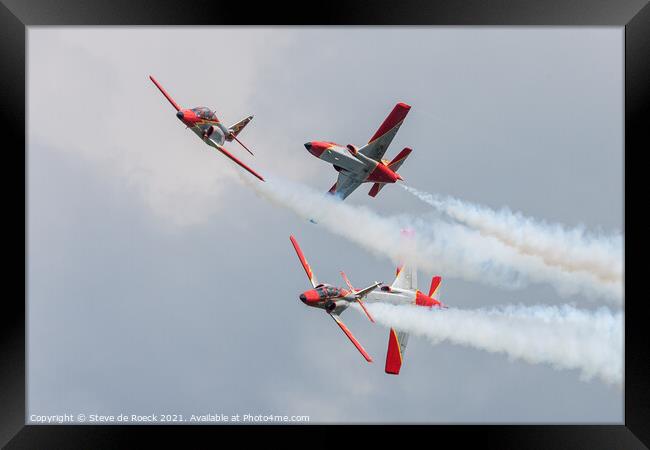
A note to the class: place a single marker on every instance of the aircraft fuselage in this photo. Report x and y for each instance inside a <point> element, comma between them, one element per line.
<point>205,124</point>
<point>327,297</point>
<point>349,159</point>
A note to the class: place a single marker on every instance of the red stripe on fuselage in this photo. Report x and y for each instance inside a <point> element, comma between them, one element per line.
<point>191,119</point>
<point>424,300</point>
<point>317,148</point>
<point>382,174</point>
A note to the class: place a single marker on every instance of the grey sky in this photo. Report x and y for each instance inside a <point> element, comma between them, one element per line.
<point>159,283</point>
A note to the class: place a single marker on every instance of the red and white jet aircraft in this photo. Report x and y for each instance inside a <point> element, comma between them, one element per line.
<point>206,125</point>
<point>334,300</point>
<point>365,165</point>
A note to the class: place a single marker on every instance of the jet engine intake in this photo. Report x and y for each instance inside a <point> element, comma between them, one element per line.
<point>208,131</point>
<point>332,305</point>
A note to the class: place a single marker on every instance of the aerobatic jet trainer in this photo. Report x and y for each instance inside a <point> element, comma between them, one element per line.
<point>207,126</point>
<point>403,291</point>
<point>365,165</point>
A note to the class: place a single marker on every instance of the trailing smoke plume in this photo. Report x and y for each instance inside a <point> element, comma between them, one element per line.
<point>565,337</point>
<point>452,248</point>
<point>571,250</point>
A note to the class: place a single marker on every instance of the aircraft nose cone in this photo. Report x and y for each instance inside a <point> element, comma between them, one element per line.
<point>180,114</point>
<point>303,298</point>
<point>316,148</point>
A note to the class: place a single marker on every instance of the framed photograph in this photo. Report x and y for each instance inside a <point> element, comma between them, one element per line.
<point>385,214</point>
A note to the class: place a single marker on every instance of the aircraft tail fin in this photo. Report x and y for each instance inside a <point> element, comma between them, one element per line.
<point>406,275</point>
<point>399,159</point>
<point>393,165</point>
<point>236,128</point>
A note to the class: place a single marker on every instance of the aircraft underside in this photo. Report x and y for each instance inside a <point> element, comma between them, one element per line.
<point>342,159</point>
<point>365,164</point>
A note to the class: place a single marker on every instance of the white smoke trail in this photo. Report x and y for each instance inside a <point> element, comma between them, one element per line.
<point>571,250</point>
<point>452,249</point>
<point>563,336</point>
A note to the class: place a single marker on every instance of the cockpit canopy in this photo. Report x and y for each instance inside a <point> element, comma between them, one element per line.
<point>328,291</point>
<point>205,113</point>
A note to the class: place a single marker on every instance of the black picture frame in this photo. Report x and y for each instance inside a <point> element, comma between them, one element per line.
<point>16,15</point>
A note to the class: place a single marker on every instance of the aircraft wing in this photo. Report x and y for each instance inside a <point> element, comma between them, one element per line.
<point>235,160</point>
<point>379,142</point>
<point>397,341</point>
<point>350,336</point>
<point>164,92</point>
<point>345,185</point>
<point>303,261</point>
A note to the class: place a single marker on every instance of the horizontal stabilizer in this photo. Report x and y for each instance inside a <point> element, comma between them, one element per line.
<point>399,159</point>
<point>365,291</point>
<point>435,283</point>
<point>374,190</point>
